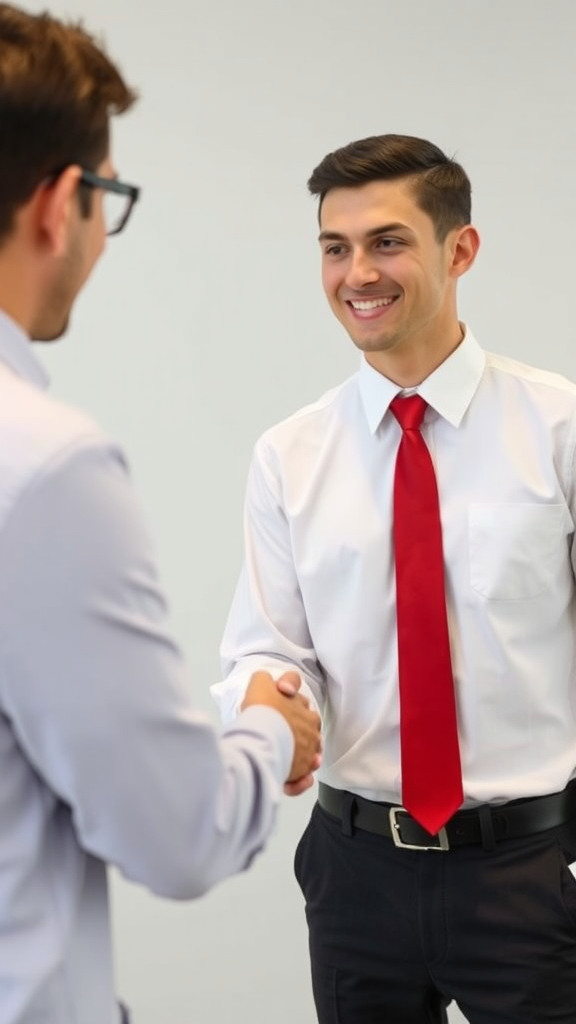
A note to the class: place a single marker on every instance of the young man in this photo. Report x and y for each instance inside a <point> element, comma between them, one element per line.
<point>103,757</point>
<point>410,553</point>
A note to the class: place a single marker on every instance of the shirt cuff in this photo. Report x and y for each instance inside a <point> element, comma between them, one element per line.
<point>267,722</point>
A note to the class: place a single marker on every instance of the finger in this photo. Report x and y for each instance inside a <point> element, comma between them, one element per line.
<point>300,786</point>
<point>286,687</point>
<point>291,678</point>
<point>262,676</point>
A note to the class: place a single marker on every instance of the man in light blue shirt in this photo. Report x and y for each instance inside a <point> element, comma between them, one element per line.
<point>103,758</point>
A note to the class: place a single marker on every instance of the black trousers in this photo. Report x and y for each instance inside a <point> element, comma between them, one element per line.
<point>396,935</point>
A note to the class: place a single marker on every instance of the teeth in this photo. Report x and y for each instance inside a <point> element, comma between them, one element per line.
<point>372,304</point>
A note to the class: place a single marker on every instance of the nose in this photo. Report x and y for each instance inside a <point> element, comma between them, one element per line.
<point>361,270</point>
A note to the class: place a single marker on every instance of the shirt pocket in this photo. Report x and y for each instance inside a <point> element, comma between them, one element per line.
<point>514,549</point>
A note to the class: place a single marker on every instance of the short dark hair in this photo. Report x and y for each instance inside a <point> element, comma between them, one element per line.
<point>441,186</point>
<point>58,91</point>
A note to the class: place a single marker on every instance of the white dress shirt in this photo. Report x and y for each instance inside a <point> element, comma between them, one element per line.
<point>317,590</point>
<point>103,757</point>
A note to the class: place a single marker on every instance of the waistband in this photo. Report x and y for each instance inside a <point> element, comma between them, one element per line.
<point>484,826</point>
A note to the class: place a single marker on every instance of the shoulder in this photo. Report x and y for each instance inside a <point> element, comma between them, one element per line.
<point>38,434</point>
<point>531,377</point>
<point>315,422</point>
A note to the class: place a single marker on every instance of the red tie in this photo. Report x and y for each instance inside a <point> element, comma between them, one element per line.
<point>431,774</point>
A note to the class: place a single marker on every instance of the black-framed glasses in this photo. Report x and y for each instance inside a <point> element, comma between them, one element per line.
<point>119,198</point>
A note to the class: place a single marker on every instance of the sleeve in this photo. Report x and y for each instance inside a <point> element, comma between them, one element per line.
<point>99,699</point>
<point>568,477</point>
<point>267,627</point>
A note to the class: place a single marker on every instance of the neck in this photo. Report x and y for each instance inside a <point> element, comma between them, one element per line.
<point>18,288</point>
<point>412,361</point>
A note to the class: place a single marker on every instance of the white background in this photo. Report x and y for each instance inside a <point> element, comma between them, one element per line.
<point>205,323</point>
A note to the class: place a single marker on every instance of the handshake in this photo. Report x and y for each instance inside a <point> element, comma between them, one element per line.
<point>283,696</point>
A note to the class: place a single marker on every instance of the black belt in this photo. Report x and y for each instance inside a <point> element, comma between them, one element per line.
<point>482,825</point>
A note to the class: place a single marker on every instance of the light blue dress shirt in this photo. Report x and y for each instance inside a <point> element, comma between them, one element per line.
<point>103,757</point>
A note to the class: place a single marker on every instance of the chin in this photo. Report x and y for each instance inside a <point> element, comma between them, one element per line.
<point>374,344</point>
<point>46,332</point>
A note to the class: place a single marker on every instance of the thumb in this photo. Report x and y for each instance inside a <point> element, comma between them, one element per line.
<point>289,683</point>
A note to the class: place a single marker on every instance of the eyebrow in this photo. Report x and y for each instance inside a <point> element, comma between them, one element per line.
<point>383,229</point>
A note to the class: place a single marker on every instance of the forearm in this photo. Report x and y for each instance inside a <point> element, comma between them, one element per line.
<point>100,701</point>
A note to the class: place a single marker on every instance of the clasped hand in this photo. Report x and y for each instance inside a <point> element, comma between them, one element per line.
<point>283,695</point>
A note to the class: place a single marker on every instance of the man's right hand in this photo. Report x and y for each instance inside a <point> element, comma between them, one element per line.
<point>305,724</point>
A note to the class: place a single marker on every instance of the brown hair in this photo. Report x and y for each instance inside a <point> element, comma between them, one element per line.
<point>441,186</point>
<point>57,92</point>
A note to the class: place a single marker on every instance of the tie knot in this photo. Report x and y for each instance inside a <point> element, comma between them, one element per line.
<point>409,411</point>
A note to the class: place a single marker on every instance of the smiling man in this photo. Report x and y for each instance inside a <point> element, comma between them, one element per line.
<point>389,273</point>
<point>410,552</point>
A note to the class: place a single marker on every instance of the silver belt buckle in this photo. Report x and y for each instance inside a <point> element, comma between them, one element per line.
<point>441,836</point>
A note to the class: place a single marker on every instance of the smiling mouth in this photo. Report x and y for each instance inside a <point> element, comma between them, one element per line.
<point>370,307</point>
<point>371,303</point>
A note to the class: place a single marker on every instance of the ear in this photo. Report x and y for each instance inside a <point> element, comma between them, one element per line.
<point>463,247</point>
<point>57,207</point>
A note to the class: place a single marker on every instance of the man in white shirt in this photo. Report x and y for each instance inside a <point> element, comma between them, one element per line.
<point>482,908</point>
<point>103,756</point>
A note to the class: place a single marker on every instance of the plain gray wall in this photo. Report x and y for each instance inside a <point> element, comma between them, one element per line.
<point>205,323</point>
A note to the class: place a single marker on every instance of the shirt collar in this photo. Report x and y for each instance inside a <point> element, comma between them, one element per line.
<point>16,352</point>
<point>449,389</point>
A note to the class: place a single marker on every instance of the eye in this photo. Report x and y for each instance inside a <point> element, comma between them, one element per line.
<point>388,243</point>
<point>336,249</point>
